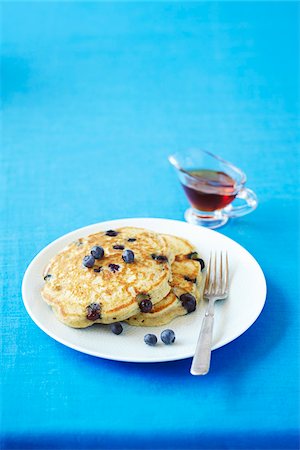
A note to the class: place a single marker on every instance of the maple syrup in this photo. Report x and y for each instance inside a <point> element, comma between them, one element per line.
<point>209,190</point>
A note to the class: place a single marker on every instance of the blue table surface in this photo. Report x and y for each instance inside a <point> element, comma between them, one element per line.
<point>94,97</point>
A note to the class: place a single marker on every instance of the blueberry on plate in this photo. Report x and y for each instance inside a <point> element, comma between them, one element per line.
<point>167,336</point>
<point>97,252</point>
<point>131,239</point>
<point>88,261</point>
<point>150,339</point>
<point>128,256</point>
<point>188,302</point>
<point>116,328</point>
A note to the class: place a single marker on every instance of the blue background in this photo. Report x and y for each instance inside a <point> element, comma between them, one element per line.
<point>94,97</point>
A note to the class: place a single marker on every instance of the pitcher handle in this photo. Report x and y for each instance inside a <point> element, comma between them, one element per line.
<point>250,203</point>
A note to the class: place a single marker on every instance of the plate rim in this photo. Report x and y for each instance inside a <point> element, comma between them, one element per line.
<point>76,347</point>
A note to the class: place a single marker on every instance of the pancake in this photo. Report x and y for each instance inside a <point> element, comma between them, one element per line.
<point>112,290</point>
<point>187,278</point>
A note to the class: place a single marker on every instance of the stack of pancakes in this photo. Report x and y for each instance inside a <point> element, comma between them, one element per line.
<point>150,291</point>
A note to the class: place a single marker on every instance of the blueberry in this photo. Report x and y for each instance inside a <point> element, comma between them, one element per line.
<point>145,306</point>
<point>128,256</point>
<point>150,339</point>
<point>93,311</point>
<point>144,301</point>
<point>202,264</point>
<point>168,337</point>
<point>118,247</point>
<point>97,269</point>
<point>111,233</point>
<point>116,328</point>
<point>88,261</point>
<point>188,302</point>
<point>195,257</point>
<point>159,258</point>
<point>192,280</point>
<point>114,267</point>
<point>97,252</point>
<point>131,239</point>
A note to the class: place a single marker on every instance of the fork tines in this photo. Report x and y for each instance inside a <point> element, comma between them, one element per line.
<point>217,280</point>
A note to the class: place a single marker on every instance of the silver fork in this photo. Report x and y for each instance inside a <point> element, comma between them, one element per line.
<point>216,288</point>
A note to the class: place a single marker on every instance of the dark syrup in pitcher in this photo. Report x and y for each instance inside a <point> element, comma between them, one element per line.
<point>214,190</point>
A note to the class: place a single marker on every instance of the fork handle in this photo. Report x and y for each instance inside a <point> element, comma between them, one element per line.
<point>201,360</point>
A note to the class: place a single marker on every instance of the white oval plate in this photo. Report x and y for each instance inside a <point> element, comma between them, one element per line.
<point>232,317</point>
